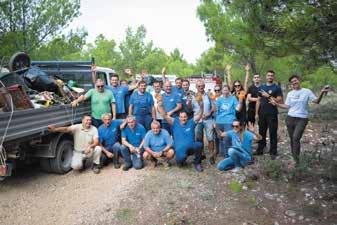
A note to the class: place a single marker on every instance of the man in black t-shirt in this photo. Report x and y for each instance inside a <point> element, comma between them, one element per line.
<point>252,97</point>
<point>267,114</point>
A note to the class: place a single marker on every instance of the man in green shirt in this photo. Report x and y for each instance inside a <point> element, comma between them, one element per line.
<point>102,101</point>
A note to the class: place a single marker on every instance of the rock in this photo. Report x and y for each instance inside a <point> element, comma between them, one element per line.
<point>290,213</point>
<point>244,187</point>
<point>269,196</point>
<point>276,223</point>
<point>293,221</point>
<point>301,218</point>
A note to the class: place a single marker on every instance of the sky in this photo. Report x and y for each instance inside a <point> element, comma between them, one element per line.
<point>170,24</point>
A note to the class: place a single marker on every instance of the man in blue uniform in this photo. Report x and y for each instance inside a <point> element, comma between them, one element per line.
<point>171,104</point>
<point>120,92</point>
<point>142,106</point>
<point>184,136</point>
<point>133,138</point>
<point>158,144</point>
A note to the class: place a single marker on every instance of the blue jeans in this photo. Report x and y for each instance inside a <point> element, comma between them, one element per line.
<point>144,120</point>
<point>237,158</point>
<point>116,149</point>
<point>134,159</point>
<point>223,143</point>
<point>183,151</point>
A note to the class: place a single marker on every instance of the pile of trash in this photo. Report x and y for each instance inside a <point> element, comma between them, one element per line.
<point>33,88</point>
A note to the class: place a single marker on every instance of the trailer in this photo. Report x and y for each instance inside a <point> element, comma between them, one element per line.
<point>23,133</point>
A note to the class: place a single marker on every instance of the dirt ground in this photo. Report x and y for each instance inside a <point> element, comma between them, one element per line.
<point>182,196</point>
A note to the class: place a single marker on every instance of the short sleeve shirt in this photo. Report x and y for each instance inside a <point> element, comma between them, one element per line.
<point>83,137</point>
<point>265,107</point>
<point>177,91</point>
<point>183,134</point>
<point>100,102</point>
<point>108,136</point>
<point>119,93</point>
<point>254,91</point>
<point>157,142</point>
<point>246,142</point>
<point>142,103</point>
<point>134,137</point>
<point>226,109</point>
<point>298,100</point>
<point>170,102</point>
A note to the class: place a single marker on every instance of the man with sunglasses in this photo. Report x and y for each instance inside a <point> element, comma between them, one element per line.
<point>240,153</point>
<point>268,114</point>
<point>190,105</point>
<point>102,101</point>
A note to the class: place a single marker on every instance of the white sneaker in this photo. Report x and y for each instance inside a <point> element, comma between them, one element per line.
<point>236,169</point>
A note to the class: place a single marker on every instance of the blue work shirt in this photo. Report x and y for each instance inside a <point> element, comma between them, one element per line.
<point>119,93</point>
<point>178,91</point>
<point>142,103</point>
<point>245,144</point>
<point>170,102</point>
<point>108,136</point>
<point>134,137</point>
<point>157,142</point>
<point>225,109</point>
<point>183,135</point>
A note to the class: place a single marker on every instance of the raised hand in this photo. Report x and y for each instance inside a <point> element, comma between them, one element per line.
<point>250,126</point>
<point>163,70</point>
<point>228,67</point>
<point>326,88</point>
<point>247,67</point>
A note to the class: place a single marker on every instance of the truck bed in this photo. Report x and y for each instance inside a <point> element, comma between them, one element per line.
<point>33,122</point>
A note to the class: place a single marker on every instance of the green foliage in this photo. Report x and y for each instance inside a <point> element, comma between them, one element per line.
<point>26,25</point>
<point>235,186</point>
<point>272,169</point>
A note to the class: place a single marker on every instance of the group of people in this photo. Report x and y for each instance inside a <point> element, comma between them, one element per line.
<point>163,121</point>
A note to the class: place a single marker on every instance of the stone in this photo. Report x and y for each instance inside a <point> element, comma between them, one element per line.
<point>290,213</point>
<point>301,218</point>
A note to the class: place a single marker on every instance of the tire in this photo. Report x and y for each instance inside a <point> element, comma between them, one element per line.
<point>62,162</point>
<point>45,165</point>
<point>19,60</point>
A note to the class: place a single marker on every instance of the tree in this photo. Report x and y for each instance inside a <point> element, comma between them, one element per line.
<point>26,24</point>
<point>63,47</point>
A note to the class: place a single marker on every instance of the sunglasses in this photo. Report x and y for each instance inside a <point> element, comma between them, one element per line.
<point>237,85</point>
<point>100,86</point>
<point>235,126</point>
<point>201,86</point>
<point>217,90</point>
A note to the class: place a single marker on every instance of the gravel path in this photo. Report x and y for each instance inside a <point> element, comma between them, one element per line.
<point>75,198</point>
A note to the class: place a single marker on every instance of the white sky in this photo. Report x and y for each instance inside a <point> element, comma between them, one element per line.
<point>169,23</point>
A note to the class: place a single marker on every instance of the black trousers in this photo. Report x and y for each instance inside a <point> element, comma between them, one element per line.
<point>251,115</point>
<point>296,127</point>
<point>268,121</point>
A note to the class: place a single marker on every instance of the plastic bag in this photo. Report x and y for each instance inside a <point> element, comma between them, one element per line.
<point>38,80</point>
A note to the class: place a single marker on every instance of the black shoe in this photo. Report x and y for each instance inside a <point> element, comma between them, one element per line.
<point>126,167</point>
<point>96,169</point>
<point>257,153</point>
<point>203,157</point>
<point>273,157</point>
<point>115,161</point>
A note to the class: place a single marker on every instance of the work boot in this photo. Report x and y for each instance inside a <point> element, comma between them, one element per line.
<point>212,160</point>
<point>126,167</point>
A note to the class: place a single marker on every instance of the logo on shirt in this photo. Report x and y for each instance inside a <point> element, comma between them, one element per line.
<point>188,129</point>
<point>225,107</point>
<point>171,100</point>
<point>137,134</point>
<point>270,91</point>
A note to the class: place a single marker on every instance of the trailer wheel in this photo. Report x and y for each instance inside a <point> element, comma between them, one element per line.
<point>19,60</point>
<point>45,165</point>
<point>62,162</point>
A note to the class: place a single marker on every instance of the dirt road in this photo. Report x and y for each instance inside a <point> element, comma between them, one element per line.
<point>172,196</point>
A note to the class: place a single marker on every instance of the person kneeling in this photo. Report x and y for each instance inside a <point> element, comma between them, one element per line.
<point>158,144</point>
<point>85,143</point>
<point>240,153</point>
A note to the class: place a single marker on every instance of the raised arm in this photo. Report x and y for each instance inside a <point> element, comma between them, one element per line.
<point>245,84</point>
<point>326,89</point>
<point>162,112</point>
<point>229,76</point>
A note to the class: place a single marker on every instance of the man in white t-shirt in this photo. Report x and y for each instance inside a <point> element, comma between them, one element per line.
<point>86,144</point>
<point>297,104</point>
